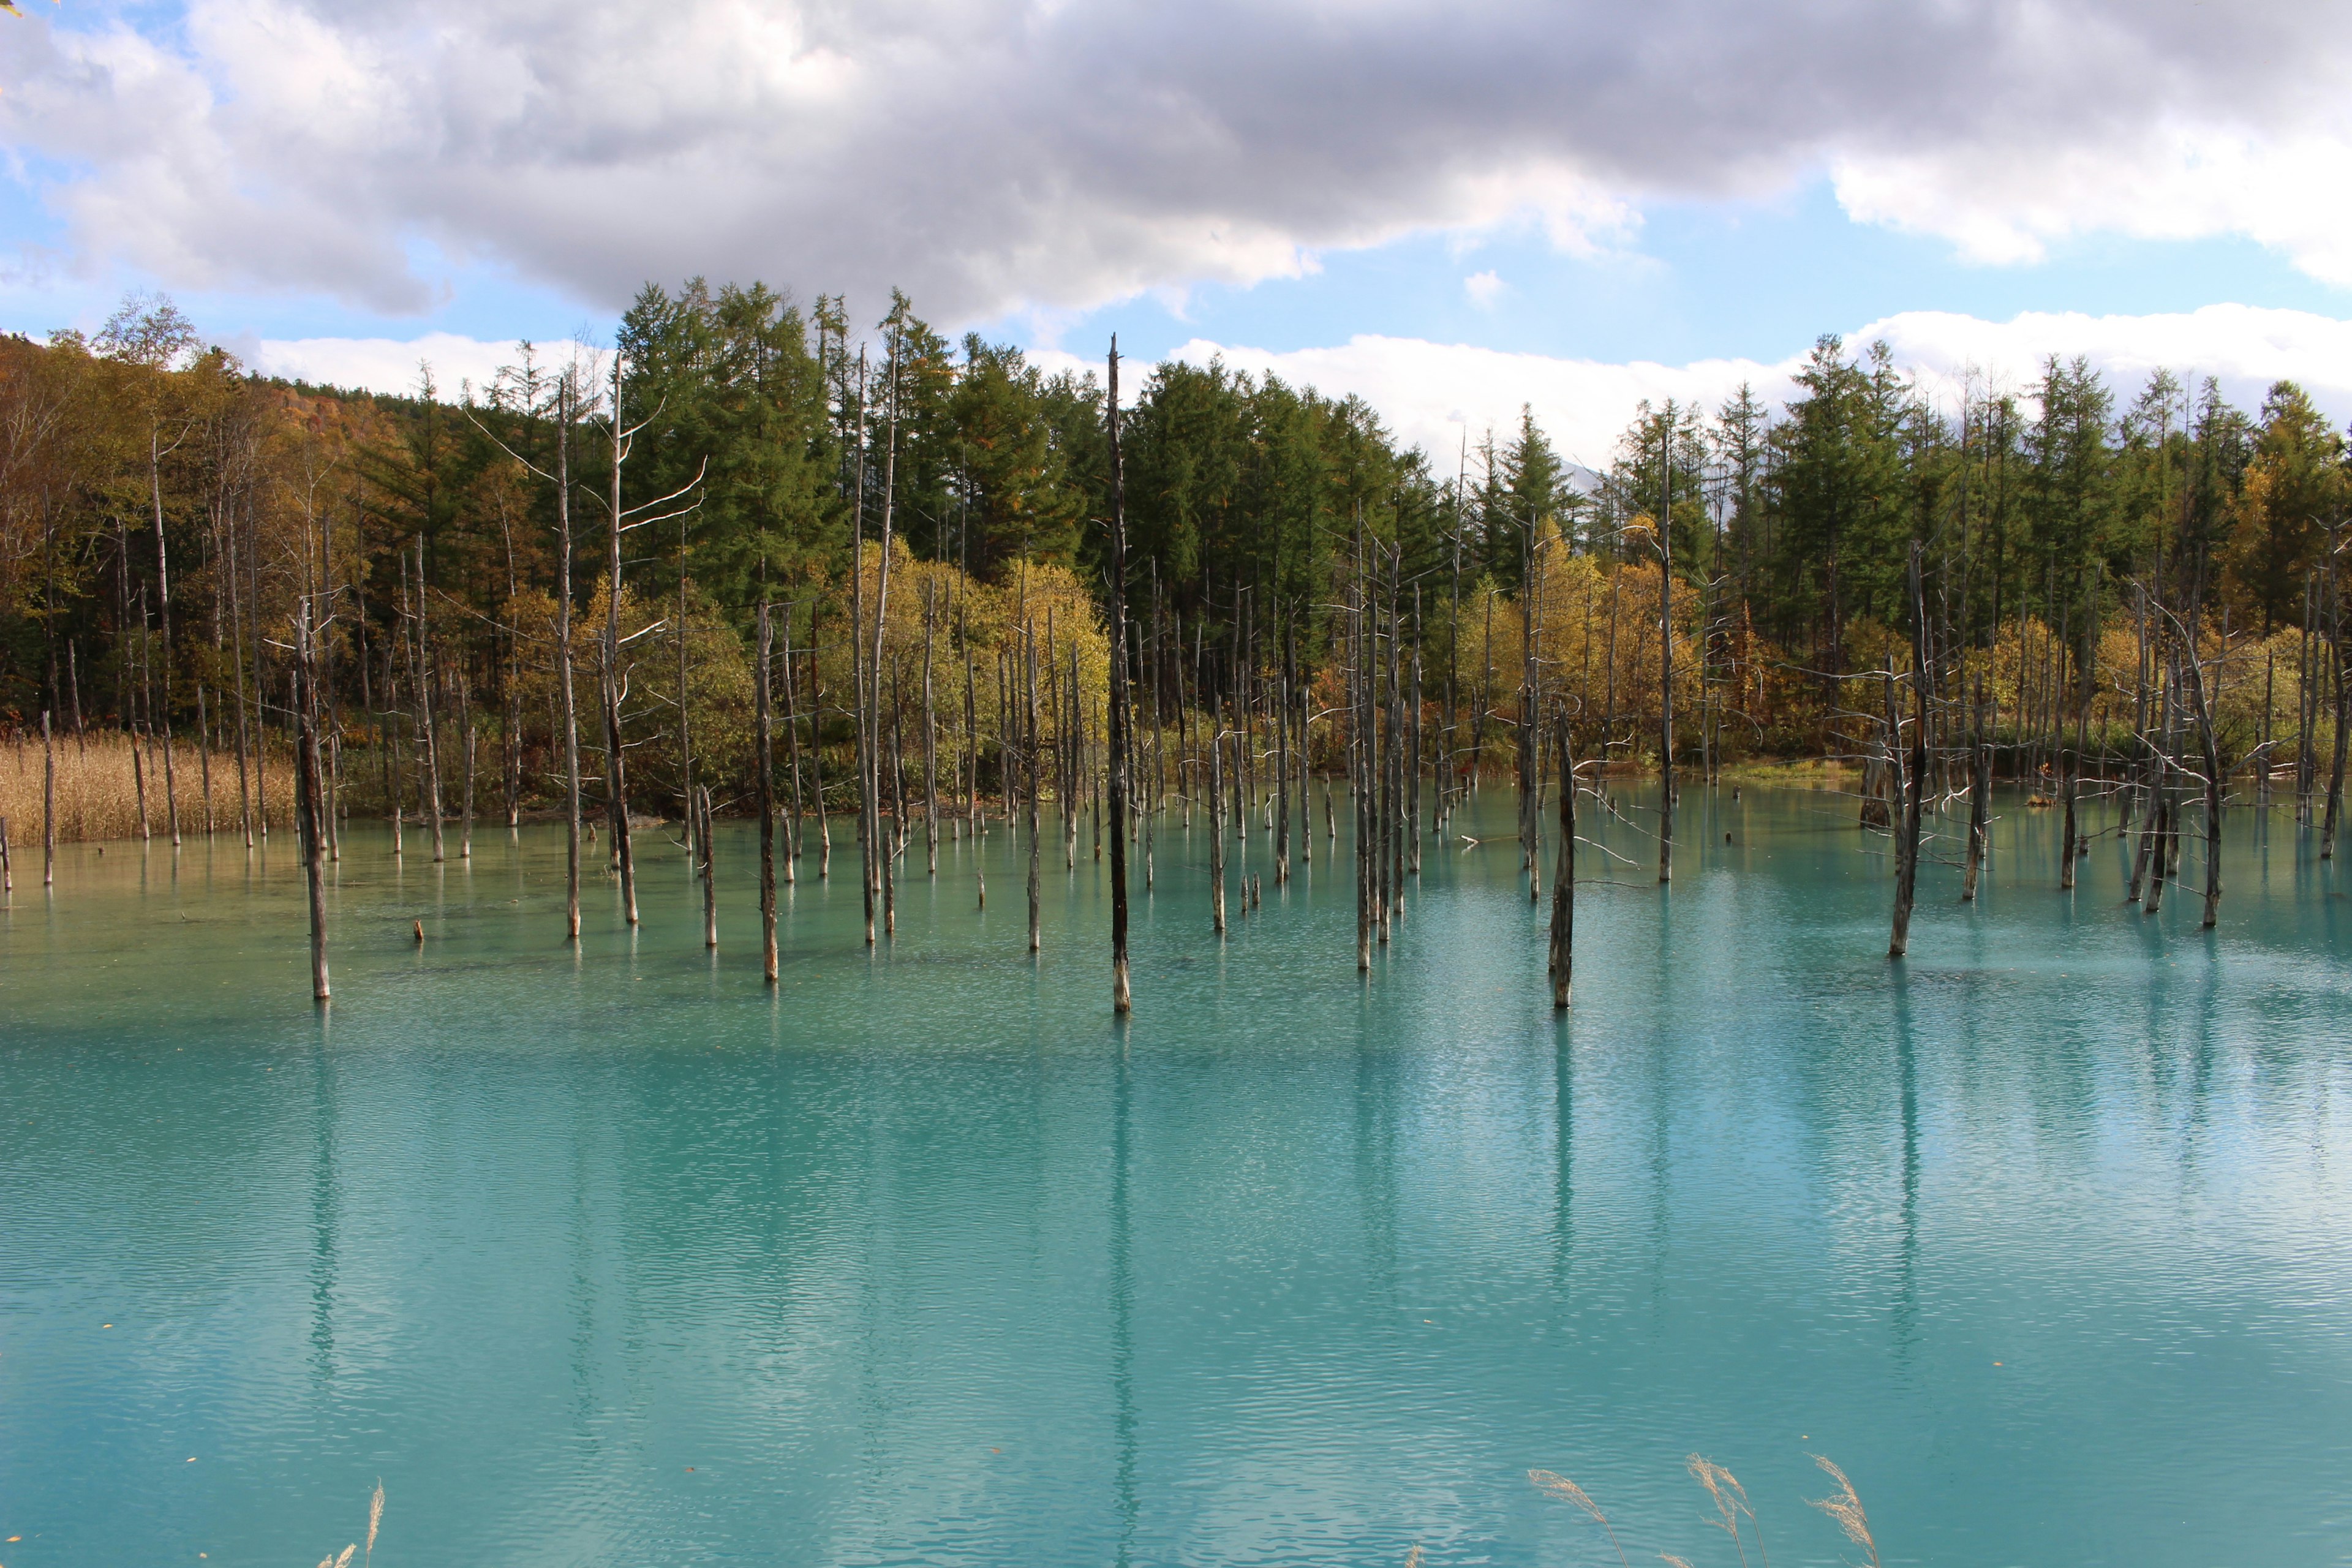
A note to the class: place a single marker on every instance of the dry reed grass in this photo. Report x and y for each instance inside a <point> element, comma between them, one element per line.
<point>97,797</point>
<point>367,1555</point>
<point>1731,1506</point>
<point>1846,1509</point>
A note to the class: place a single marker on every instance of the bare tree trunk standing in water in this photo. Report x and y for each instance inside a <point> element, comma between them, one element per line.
<point>1216,827</point>
<point>767,773</point>
<point>1563,881</point>
<point>1914,784</point>
<point>48,803</point>
<point>709,880</point>
<point>617,785</point>
<point>424,707</point>
<point>1667,649</point>
<point>309,819</point>
<point>882,862</point>
<point>1120,999</point>
<point>164,609</point>
<point>465,730</point>
<point>567,393</point>
<point>930,738</point>
<point>1979,805</point>
<point>1029,663</point>
<point>2069,760</point>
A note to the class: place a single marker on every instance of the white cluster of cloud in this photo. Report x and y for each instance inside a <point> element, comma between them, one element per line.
<point>997,155</point>
<point>1439,396</point>
<point>395,367</point>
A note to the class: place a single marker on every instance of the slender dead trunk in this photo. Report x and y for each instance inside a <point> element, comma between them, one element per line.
<point>1216,831</point>
<point>616,784</point>
<point>1563,881</point>
<point>2201,712</point>
<point>709,881</point>
<point>1029,662</point>
<point>566,393</point>
<point>1914,784</point>
<point>1666,655</point>
<point>1980,807</point>
<point>204,758</point>
<point>617,779</point>
<point>764,742</point>
<point>793,741</point>
<point>465,823</point>
<point>2339,667</point>
<point>163,610</point>
<point>1122,999</point>
<point>930,741</point>
<point>308,815</point>
<point>424,707</point>
<point>48,803</point>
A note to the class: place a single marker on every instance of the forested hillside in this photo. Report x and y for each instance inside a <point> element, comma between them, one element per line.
<point>164,515</point>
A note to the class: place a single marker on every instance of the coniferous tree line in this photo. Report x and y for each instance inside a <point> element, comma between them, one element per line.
<point>541,595</point>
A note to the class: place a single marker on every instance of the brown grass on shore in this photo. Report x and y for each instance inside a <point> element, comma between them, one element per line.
<point>97,797</point>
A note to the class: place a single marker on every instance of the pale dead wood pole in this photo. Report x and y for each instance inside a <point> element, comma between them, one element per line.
<point>308,818</point>
<point>2201,712</point>
<point>867,875</point>
<point>1667,657</point>
<point>1029,677</point>
<point>2341,668</point>
<point>1360,756</point>
<point>48,803</point>
<point>765,743</point>
<point>566,408</point>
<point>685,716</point>
<point>567,402</point>
<point>1979,790</point>
<point>616,789</point>
<point>1216,824</point>
<point>204,758</point>
<point>709,881</point>
<point>466,727</point>
<point>1563,881</point>
<point>792,742</point>
<point>155,456</point>
<point>1120,999</point>
<point>885,863</point>
<point>1915,785</point>
<point>930,737</point>
<point>2068,763</point>
<point>1281,756</point>
<point>424,680</point>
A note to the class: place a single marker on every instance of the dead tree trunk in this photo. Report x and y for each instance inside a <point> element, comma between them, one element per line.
<point>1915,785</point>
<point>710,883</point>
<point>48,803</point>
<point>308,818</point>
<point>1121,998</point>
<point>764,741</point>
<point>1563,881</point>
<point>1036,742</point>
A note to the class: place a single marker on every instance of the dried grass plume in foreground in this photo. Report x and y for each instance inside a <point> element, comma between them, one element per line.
<point>1731,1506</point>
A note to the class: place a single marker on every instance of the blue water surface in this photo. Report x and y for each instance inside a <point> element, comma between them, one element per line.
<point>616,1256</point>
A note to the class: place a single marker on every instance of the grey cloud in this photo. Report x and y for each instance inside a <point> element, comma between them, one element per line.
<point>992,156</point>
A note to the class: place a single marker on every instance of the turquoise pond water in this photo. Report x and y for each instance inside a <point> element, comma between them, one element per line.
<point>2045,1235</point>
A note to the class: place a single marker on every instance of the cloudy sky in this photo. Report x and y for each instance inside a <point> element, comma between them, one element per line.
<point>1452,208</point>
